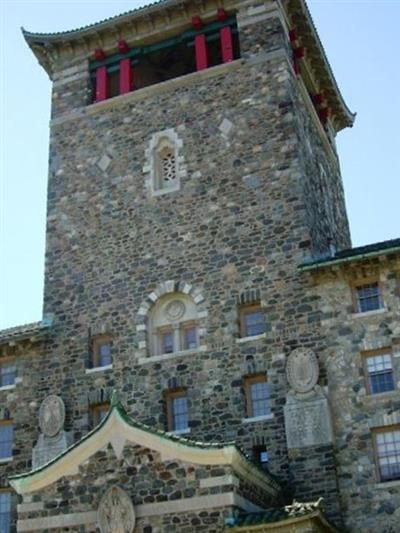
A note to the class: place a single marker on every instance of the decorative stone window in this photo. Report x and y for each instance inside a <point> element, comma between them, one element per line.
<point>5,511</point>
<point>7,372</point>
<point>260,456</point>
<point>177,411</point>
<point>101,354</point>
<point>252,320</point>
<point>367,297</point>
<point>257,393</point>
<point>98,413</point>
<point>387,452</point>
<point>379,372</point>
<point>6,439</point>
<point>165,164</point>
<point>173,325</point>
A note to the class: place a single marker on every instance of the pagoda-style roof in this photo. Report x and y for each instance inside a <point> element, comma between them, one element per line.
<point>161,17</point>
<point>288,519</point>
<point>352,255</point>
<point>118,429</point>
<point>33,332</point>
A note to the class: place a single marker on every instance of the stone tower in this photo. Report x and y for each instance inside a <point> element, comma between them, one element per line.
<point>193,170</point>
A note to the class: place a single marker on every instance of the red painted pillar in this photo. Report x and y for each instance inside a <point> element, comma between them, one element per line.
<point>226,38</point>
<point>226,44</point>
<point>101,84</point>
<point>200,45</point>
<point>125,76</point>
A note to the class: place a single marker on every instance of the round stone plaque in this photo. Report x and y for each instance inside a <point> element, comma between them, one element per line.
<point>51,416</point>
<point>175,310</point>
<point>302,370</point>
<point>116,513</point>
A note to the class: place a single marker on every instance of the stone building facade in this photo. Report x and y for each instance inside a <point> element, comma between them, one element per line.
<point>213,351</point>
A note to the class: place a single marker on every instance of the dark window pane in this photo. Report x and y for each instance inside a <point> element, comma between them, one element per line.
<point>254,323</point>
<point>6,440</point>
<point>380,373</point>
<point>167,340</point>
<point>388,448</point>
<point>261,456</point>
<point>190,338</point>
<point>5,512</point>
<point>104,354</point>
<point>7,374</point>
<point>180,418</point>
<point>260,404</point>
<point>368,297</point>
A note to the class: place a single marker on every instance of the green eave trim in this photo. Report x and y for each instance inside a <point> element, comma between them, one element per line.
<point>351,259</point>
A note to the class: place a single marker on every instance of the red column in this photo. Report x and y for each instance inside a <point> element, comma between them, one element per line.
<point>201,52</point>
<point>200,45</point>
<point>226,44</point>
<point>101,84</point>
<point>125,76</point>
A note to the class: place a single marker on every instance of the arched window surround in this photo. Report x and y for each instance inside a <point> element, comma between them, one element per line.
<point>164,166</point>
<point>149,325</point>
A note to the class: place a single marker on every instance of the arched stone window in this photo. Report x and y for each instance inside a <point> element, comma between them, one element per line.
<point>171,320</point>
<point>173,324</point>
<point>165,172</point>
<point>165,163</point>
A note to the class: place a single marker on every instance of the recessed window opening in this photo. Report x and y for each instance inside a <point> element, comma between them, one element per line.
<point>6,438</point>
<point>252,320</point>
<point>260,455</point>
<point>380,373</point>
<point>368,297</point>
<point>7,373</point>
<point>388,454</point>
<point>5,511</point>
<point>177,411</point>
<point>257,396</point>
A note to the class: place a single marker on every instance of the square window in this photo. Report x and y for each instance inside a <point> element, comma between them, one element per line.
<point>189,337</point>
<point>257,396</point>
<point>5,511</point>
<point>368,297</point>
<point>101,352</point>
<point>387,448</point>
<point>7,373</point>
<point>6,438</point>
<point>252,320</point>
<point>379,371</point>
<point>99,412</point>
<point>178,414</point>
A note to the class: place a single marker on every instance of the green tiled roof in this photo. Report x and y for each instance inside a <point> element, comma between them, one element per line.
<point>97,25</point>
<point>355,254</point>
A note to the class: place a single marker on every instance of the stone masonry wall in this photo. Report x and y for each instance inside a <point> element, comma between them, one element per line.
<point>367,503</point>
<point>239,222</point>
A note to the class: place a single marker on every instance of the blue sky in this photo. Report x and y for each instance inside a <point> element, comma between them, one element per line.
<point>361,41</point>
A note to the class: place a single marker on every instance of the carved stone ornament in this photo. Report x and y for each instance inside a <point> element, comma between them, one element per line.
<point>302,370</point>
<point>116,513</point>
<point>51,416</point>
<point>175,310</point>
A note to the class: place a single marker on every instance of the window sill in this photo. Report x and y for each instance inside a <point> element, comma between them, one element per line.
<point>98,369</point>
<point>8,387</point>
<point>382,395</point>
<point>178,432</point>
<point>369,313</point>
<point>5,459</point>
<point>388,484</point>
<point>254,419</point>
<point>252,338</point>
<point>167,356</point>
<point>168,190</point>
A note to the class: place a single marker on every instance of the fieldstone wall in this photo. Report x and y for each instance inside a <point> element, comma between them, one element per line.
<point>367,503</point>
<point>262,193</point>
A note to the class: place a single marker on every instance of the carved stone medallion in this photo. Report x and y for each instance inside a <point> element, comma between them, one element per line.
<point>116,513</point>
<point>175,310</point>
<point>51,416</point>
<point>302,370</point>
